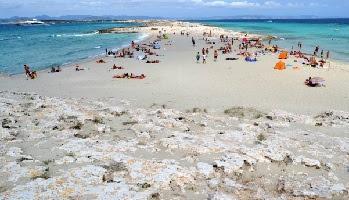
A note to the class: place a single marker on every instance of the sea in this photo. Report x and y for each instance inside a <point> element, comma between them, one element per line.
<point>329,34</point>
<point>57,44</point>
<point>62,43</point>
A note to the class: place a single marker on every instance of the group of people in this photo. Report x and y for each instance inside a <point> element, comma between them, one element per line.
<point>56,70</point>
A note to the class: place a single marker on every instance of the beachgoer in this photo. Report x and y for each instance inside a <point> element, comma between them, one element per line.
<point>203,51</point>
<point>198,57</point>
<point>204,59</point>
<point>193,41</point>
<point>215,55</point>
<point>207,52</point>
<point>27,70</point>
<point>327,55</point>
<point>322,54</point>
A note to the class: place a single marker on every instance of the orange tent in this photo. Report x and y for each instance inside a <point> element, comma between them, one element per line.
<point>283,55</point>
<point>280,66</point>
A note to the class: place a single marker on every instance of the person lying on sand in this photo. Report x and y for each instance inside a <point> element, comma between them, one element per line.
<point>315,82</point>
<point>100,61</point>
<point>153,61</point>
<point>77,68</point>
<point>130,76</point>
<point>117,67</point>
<point>121,76</point>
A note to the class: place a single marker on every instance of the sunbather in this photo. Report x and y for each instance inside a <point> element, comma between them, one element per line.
<point>315,82</point>
<point>117,67</point>
<point>153,61</point>
<point>100,61</point>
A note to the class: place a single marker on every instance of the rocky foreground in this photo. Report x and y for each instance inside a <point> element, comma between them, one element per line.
<point>55,148</point>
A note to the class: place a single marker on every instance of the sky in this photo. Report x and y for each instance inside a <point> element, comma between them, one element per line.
<point>175,8</point>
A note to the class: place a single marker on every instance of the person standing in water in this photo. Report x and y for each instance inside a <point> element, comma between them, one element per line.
<point>322,54</point>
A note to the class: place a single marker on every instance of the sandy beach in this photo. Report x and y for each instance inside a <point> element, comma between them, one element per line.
<point>229,129</point>
<point>179,82</point>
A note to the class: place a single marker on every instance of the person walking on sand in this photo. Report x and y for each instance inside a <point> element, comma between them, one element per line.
<point>204,59</point>
<point>193,41</point>
<point>215,55</point>
<point>207,51</point>
<point>203,51</point>
<point>198,57</point>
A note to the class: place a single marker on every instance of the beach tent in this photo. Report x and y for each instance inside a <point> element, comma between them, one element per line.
<point>280,66</point>
<point>283,55</point>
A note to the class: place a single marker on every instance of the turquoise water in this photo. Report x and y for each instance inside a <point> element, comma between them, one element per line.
<point>329,34</point>
<point>55,44</point>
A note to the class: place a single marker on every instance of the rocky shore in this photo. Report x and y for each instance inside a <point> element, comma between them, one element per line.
<point>65,148</point>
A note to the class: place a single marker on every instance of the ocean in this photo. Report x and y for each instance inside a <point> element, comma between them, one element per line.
<point>56,44</point>
<point>63,43</point>
<point>330,34</point>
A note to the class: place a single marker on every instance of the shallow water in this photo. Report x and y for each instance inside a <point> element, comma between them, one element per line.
<point>56,44</point>
<point>329,34</point>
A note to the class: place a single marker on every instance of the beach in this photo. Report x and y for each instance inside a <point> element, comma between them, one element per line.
<point>228,129</point>
<point>179,82</point>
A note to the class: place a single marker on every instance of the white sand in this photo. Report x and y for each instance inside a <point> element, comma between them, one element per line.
<point>181,83</point>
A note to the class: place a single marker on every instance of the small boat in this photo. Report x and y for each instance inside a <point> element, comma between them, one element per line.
<point>270,21</point>
<point>30,22</point>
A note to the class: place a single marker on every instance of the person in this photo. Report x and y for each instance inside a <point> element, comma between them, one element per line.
<point>77,68</point>
<point>53,69</point>
<point>322,54</point>
<point>207,52</point>
<point>327,55</point>
<point>193,41</point>
<point>317,49</point>
<point>106,52</point>
<point>204,56</point>
<point>133,44</point>
<point>198,57</point>
<point>27,70</point>
<point>215,55</point>
<point>203,51</point>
